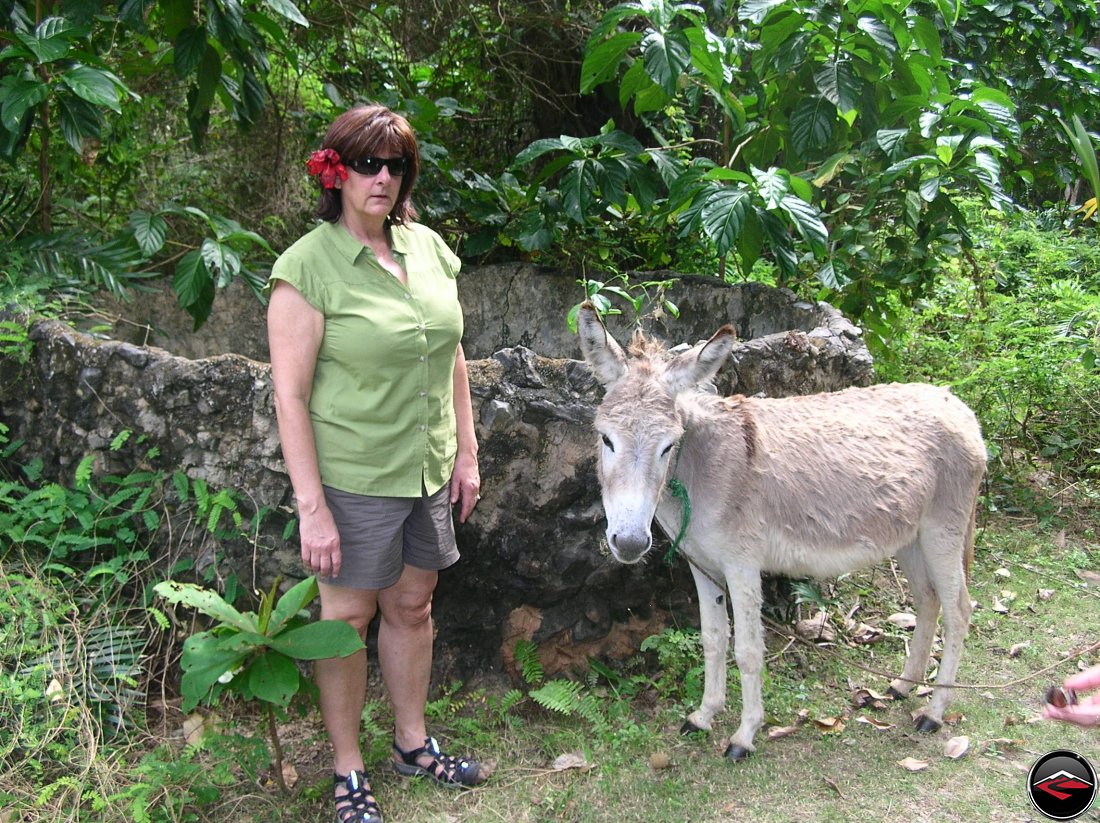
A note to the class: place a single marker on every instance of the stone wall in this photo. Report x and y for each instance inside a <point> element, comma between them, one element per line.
<point>532,561</point>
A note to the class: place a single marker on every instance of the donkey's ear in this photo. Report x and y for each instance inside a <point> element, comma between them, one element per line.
<point>701,363</point>
<point>604,355</point>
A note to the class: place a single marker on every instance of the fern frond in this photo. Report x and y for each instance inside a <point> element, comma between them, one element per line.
<point>561,696</point>
<point>527,658</point>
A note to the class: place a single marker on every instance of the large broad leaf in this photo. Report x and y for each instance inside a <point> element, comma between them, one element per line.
<point>150,231</point>
<point>807,220</point>
<point>318,640</point>
<point>274,678</point>
<point>723,215</point>
<point>51,41</point>
<point>892,141</point>
<point>194,287</point>
<point>93,85</point>
<point>779,241</point>
<point>208,602</point>
<point>878,31</point>
<point>533,234</point>
<point>79,119</point>
<point>17,96</point>
<point>638,86</point>
<point>287,9</point>
<point>538,149</point>
<point>291,603</point>
<point>578,187</point>
<point>812,124</point>
<point>666,57</point>
<point>206,658</point>
<point>192,280</point>
<point>601,63</point>
<point>221,260</point>
<point>189,50</point>
<point>839,84</point>
<point>756,10</point>
<point>772,185</point>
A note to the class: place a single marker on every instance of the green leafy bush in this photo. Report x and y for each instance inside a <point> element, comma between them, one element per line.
<point>1015,331</point>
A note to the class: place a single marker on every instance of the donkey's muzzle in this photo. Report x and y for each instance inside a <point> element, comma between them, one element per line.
<point>629,547</point>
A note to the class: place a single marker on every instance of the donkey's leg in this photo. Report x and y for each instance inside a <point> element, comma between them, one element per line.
<point>927,606</point>
<point>748,647</point>
<point>715,626</point>
<point>945,549</point>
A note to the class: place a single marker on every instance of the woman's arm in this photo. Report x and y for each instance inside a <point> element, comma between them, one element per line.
<point>294,332</point>
<point>465,480</point>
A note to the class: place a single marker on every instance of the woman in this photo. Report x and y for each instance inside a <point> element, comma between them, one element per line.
<point>373,403</point>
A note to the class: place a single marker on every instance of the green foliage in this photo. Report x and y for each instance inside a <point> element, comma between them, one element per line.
<point>876,133</point>
<point>527,659</point>
<point>1081,142</point>
<point>253,653</point>
<point>572,699</point>
<point>637,294</point>
<point>1017,335</point>
<point>680,660</point>
<point>214,265</point>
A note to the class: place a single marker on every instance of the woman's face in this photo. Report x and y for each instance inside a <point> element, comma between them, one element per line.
<point>371,197</point>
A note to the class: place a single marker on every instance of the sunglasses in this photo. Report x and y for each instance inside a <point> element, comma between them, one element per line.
<point>370,166</point>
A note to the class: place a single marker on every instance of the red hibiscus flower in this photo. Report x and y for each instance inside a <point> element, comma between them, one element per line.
<point>326,164</point>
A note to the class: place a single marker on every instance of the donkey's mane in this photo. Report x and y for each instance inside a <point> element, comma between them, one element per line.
<point>648,347</point>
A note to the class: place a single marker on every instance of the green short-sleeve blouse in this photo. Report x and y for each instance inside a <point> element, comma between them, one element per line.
<point>382,404</point>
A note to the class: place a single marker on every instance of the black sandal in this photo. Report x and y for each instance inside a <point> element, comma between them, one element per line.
<point>358,805</point>
<point>452,772</point>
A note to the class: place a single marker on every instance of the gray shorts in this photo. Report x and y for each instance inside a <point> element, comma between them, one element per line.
<point>379,535</point>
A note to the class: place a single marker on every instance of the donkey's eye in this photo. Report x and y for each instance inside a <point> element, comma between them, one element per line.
<point>607,442</point>
<point>666,449</point>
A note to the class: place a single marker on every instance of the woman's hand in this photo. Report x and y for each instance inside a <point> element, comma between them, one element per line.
<point>465,485</point>
<point>320,542</point>
<point>1086,711</point>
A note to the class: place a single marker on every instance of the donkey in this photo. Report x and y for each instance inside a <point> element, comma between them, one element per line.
<point>804,486</point>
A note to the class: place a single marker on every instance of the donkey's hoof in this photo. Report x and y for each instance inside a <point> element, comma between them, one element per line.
<point>894,693</point>
<point>737,753</point>
<point>690,728</point>
<point>927,724</point>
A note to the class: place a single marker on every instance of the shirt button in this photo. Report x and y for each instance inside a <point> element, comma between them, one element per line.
<point>408,296</point>
<point>423,394</point>
<point>422,428</point>
<point>421,327</point>
<point>422,358</point>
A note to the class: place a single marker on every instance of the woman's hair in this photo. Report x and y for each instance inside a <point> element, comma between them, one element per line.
<point>372,131</point>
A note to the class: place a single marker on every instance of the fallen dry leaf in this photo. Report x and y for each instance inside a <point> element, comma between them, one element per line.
<point>1090,577</point>
<point>290,775</point>
<point>776,732</point>
<point>865,698</point>
<point>55,692</point>
<point>1017,648</point>
<point>571,760</point>
<point>1003,572</point>
<point>956,747</point>
<point>866,635</point>
<point>999,607</point>
<point>1045,594</point>
<point>830,725</point>
<point>817,629</point>
<point>194,726</point>
<point>912,764</point>
<point>881,725</point>
<point>903,620</point>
